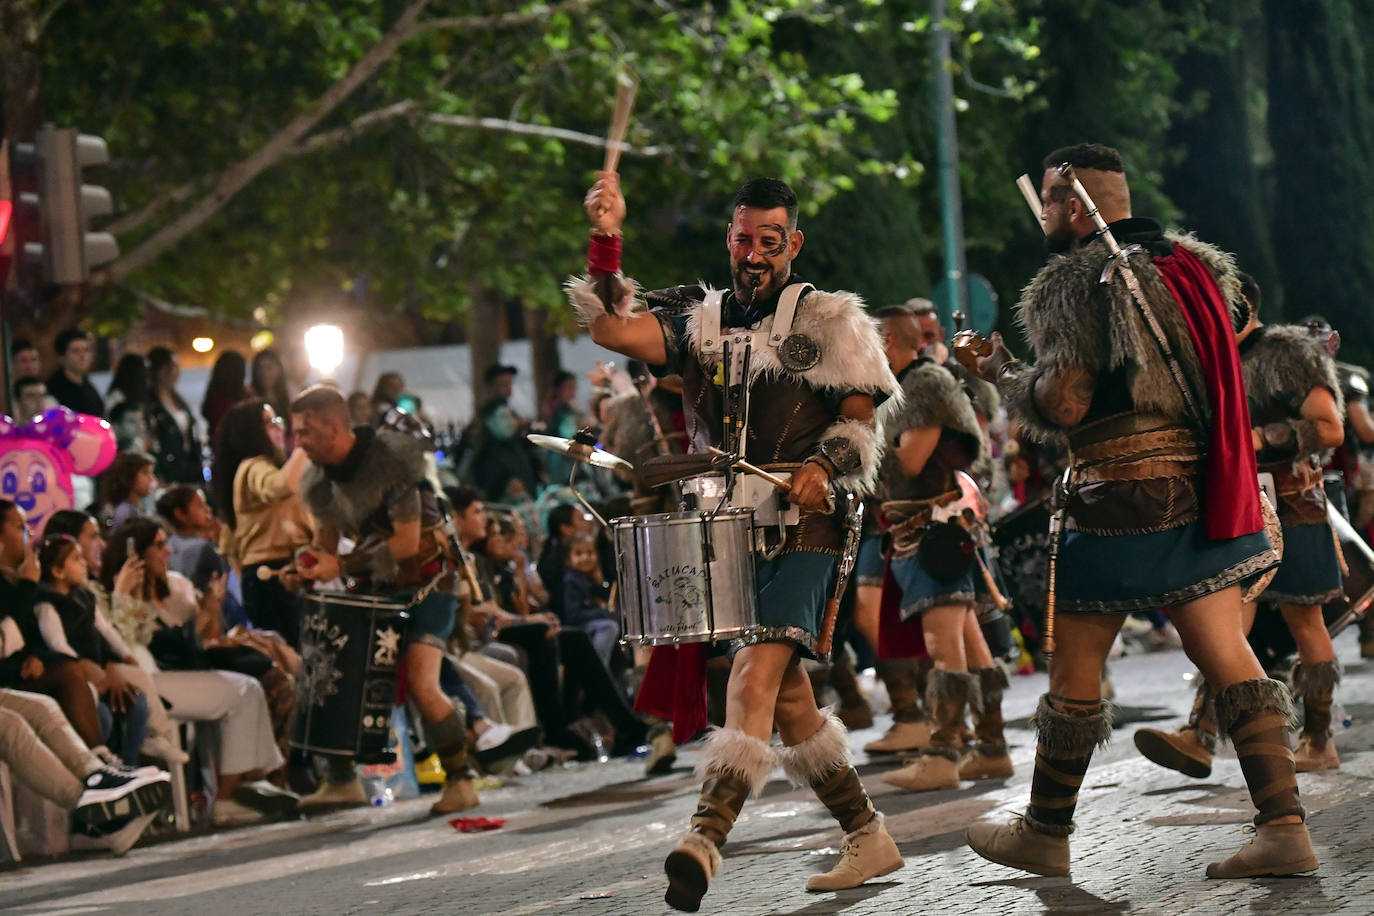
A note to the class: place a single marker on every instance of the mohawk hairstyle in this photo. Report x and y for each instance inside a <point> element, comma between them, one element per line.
<point>765,194</point>
<point>1086,156</point>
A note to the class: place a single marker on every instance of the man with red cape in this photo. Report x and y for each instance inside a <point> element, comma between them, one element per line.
<point>1161,508</point>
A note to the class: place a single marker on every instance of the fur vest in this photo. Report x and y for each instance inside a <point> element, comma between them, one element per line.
<point>1073,320</point>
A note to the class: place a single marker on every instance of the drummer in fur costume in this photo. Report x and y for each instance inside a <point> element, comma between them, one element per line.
<point>1296,408</point>
<point>1160,508</point>
<point>934,434</point>
<point>370,486</point>
<point>812,396</point>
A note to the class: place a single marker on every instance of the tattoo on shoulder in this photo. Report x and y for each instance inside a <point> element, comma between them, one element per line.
<point>1064,395</point>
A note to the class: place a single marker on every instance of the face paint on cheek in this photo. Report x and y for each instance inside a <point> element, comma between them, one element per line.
<point>779,249</point>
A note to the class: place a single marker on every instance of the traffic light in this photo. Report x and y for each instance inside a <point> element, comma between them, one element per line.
<point>63,206</point>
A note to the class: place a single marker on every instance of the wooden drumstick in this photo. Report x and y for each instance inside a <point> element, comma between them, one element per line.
<point>755,470</point>
<point>1032,199</point>
<point>626,88</point>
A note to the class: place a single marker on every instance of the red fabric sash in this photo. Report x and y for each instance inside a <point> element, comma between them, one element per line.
<point>674,688</point>
<point>1230,483</point>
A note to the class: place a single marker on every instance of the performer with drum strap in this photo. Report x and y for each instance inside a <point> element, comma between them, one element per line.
<point>1137,366</point>
<point>934,437</point>
<point>774,373</point>
<point>369,486</point>
<point>1296,409</point>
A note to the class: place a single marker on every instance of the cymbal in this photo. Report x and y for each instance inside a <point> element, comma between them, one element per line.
<point>580,451</point>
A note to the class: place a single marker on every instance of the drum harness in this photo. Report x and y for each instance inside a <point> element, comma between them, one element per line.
<point>797,354</point>
<point>735,351</point>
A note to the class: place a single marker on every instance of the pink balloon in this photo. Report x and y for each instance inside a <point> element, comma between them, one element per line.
<point>93,445</point>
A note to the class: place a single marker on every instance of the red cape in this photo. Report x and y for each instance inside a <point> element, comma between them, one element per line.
<point>1230,483</point>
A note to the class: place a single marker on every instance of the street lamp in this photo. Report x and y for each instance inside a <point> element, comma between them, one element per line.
<point>324,347</point>
<point>203,344</point>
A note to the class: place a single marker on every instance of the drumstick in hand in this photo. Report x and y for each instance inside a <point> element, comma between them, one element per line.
<point>626,87</point>
<point>758,471</point>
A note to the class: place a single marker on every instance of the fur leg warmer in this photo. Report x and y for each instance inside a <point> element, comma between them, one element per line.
<point>1250,698</point>
<point>948,693</point>
<point>1316,680</point>
<point>731,752</point>
<point>819,756</point>
<point>1064,748</point>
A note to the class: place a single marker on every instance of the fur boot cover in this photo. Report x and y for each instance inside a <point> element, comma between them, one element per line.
<point>1063,736</point>
<point>817,757</point>
<point>952,685</point>
<point>731,751</point>
<point>1249,698</point>
<point>1316,680</point>
<point>588,305</point>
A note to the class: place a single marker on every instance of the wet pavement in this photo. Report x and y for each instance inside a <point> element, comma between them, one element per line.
<point>590,839</point>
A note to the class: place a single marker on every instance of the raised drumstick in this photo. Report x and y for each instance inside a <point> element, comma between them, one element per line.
<point>1032,198</point>
<point>626,87</point>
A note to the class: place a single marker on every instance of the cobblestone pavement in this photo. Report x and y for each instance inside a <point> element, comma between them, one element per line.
<point>591,840</point>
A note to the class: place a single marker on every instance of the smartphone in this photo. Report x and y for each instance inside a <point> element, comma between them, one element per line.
<point>130,552</point>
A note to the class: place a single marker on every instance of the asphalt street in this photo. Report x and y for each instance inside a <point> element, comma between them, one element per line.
<point>590,839</point>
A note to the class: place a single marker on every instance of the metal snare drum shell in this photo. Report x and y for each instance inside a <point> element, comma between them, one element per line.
<point>686,577</point>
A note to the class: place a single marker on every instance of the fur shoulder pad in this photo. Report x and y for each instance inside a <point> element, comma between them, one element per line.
<point>1064,311</point>
<point>933,397</point>
<point>851,356</point>
<point>1285,364</point>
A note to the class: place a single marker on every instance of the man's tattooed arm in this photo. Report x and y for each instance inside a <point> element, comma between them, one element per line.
<point>1062,396</point>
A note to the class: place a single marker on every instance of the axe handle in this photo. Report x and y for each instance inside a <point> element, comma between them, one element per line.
<point>826,640</point>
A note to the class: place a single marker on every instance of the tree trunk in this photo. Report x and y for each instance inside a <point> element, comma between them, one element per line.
<point>1321,93</point>
<point>484,337</point>
<point>1219,182</point>
<point>544,356</point>
<point>20,68</point>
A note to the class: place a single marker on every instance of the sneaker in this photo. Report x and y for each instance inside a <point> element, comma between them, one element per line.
<point>501,741</point>
<point>229,813</point>
<point>109,796</point>
<point>261,795</point>
<point>163,748</point>
<point>117,837</point>
<point>429,771</point>
<point>120,768</point>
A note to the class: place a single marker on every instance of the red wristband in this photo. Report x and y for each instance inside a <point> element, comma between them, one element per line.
<point>603,254</point>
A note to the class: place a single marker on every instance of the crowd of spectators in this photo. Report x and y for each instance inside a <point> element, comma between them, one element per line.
<point>171,599</point>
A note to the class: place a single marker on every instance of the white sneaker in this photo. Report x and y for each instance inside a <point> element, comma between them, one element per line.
<point>229,813</point>
<point>118,841</point>
<point>496,735</point>
<point>163,748</point>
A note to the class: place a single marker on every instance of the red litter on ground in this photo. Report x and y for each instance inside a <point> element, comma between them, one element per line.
<point>477,824</point>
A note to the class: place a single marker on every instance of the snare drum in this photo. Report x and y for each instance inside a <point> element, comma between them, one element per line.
<point>350,645</point>
<point>685,576</point>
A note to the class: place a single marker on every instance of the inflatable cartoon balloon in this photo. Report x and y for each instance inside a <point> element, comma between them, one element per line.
<point>38,459</point>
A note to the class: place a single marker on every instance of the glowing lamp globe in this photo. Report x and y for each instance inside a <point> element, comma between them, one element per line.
<point>324,347</point>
